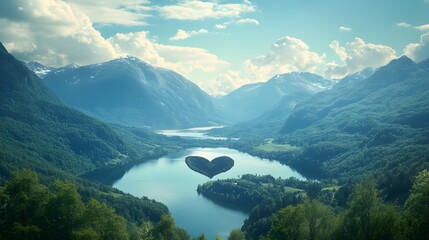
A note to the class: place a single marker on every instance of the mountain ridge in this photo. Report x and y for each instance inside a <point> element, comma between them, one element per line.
<point>252,100</point>
<point>131,92</point>
<point>372,125</point>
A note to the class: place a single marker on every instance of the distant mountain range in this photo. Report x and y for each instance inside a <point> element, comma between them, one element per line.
<point>130,92</point>
<point>378,90</point>
<point>262,108</point>
<point>252,100</point>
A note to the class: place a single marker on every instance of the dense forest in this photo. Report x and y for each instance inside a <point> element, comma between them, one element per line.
<point>376,125</point>
<point>293,209</point>
<point>31,210</point>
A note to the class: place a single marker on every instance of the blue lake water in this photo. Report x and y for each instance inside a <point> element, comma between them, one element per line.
<point>170,181</point>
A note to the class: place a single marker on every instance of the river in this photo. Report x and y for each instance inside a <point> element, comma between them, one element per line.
<point>170,181</point>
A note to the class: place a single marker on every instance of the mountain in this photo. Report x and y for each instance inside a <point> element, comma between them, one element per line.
<point>36,124</point>
<point>38,132</point>
<point>379,125</point>
<point>39,69</point>
<point>128,91</point>
<point>355,77</point>
<point>376,87</point>
<point>253,100</point>
<point>262,108</point>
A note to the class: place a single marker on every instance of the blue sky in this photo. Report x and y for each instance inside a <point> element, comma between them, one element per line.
<point>223,44</point>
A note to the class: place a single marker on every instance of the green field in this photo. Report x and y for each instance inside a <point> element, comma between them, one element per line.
<point>331,188</point>
<point>292,190</point>
<point>269,146</point>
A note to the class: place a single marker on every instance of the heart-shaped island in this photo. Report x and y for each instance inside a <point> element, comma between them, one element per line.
<point>209,168</point>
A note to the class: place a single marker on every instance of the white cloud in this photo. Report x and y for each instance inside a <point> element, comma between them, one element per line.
<point>139,45</point>
<point>220,26</point>
<point>247,21</point>
<point>358,55</point>
<point>32,30</point>
<point>198,10</point>
<point>182,34</point>
<point>344,29</point>
<point>403,24</point>
<point>237,22</point>
<point>225,83</point>
<point>287,54</point>
<point>424,27</point>
<point>66,35</point>
<point>418,51</point>
<point>108,12</point>
<point>184,60</point>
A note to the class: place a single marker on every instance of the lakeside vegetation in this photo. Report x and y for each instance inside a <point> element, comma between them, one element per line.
<point>269,146</point>
<point>349,212</point>
<point>31,210</point>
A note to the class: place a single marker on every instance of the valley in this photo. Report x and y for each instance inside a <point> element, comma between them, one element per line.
<point>126,134</point>
<point>169,180</point>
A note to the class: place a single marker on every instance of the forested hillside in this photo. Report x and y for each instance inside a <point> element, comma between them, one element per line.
<point>378,125</point>
<point>31,210</point>
<point>293,209</point>
<point>38,132</point>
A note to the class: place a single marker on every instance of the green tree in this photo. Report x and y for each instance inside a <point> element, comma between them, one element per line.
<point>319,220</point>
<point>64,211</point>
<point>23,199</point>
<point>166,229</point>
<point>417,207</point>
<point>236,234</point>
<point>85,233</point>
<point>368,217</point>
<point>103,220</point>
<point>146,231</point>
<point>202,237</point>
<point>287,224</point>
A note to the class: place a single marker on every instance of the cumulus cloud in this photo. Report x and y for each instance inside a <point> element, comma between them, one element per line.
<point>418,51</point>
<point>344,29</point>
<point>287,54</point>
<point>184,60</point>
<point>182,34</point>
<point>358,55</point>
<point>66,35</point>
<point>237,22</point>
<point>225,83</point>
<point>113,12</point>
<point>32,30</point>
<point>198,10</point>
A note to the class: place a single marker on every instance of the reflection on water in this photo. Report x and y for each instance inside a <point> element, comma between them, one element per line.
<point>170,181</point>
<point>193,133</point>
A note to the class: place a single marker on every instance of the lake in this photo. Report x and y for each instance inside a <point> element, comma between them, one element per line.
<point>170,181</point>
<point>193,133</point>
